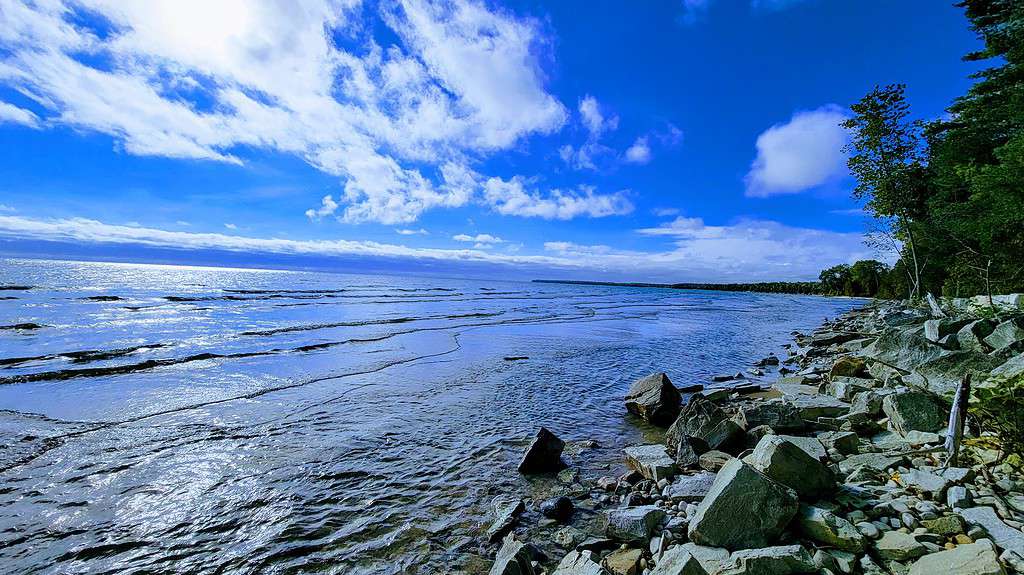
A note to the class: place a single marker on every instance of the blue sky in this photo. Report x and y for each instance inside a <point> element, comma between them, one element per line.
<point>691,140</point>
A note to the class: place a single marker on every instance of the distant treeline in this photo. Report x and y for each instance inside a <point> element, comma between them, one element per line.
<point>766,287</point>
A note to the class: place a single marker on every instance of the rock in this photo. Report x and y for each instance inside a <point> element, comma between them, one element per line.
<point>845,442</point>
<point>770,360</point>
<point>973,559</point>
<point>776,414</point>
<point>898,546</point>
<point>691,488</point>
<point>915,409</point>
<point>716,395</point>
<point>868,529</point>
<point>946,526</point>
<point>634,524</point>
<point>568,537</point>
<point>957,497</point>
<point>936,329</point>
<point>846,388</point>
<point>1013,560</point>
<point>623,561</point>
<point>918,438</point>
<point>506,510</point>
<point>712,559</point>
<point>557,508</point>
<point>811,407</point>
<point>713,460</point>
<point>941,375</point>
<point>879,461</point>
<point>1004,536</point>
<point>828,528</point>
<point>1012,368</point>
<point>1006,334</point>
<point>781,560</point>
<point>654,399</point>
<point>514,558</point>
<point>579,563</point>
<point>679,560</point>
<point>724,435</point>
<point>972,335</point>
<point>697,419</point>
<point>544,453</point>
<point>652,461</point>
<point>925,481</point>
<point>783,461</point>
<point>904,349</point>
<point>810,445</point>
<point>849,366</point>
<point>743,509</point>
<point>688,451</point>
<point>825,339</point>
<point>868,402</point>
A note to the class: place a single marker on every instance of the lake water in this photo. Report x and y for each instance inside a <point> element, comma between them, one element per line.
<point>175,419</point>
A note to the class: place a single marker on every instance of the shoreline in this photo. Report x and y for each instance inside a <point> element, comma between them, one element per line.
<point>837,467</point>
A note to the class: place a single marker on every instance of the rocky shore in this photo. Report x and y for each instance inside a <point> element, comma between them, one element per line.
<point>838,467</point>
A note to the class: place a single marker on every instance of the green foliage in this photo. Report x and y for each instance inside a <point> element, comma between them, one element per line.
<point>866,278</point>
<point>999,407</point>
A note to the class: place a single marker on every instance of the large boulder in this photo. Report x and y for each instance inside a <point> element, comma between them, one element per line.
<point>654,399</point>
<point>941,375</point>
<point>1004,536</point>
<point>514,558</point>
<point>633,524</point>
<point>972,336</point>
<point>580,563</point>
<point>743,509</point>
<point>651,461</point>
<point>777,414</point>
<point>679,561</point>
<point>936,329</point>
<point>623,561</point>
<point>811,407</point>
<point>971,559</point>
<point>849,366</point>
<point>1013,367</point>
<point>704,420</point>
<point>915,410</point>
<point>1006,334</point>
<point>544,453</point>
<point>899,546</point>
<point>905,349</point>
<point>691,488</point>
<point>785,462</point>
<point>827,528</point>
<point>688,451</point>
<point>780,560</point>
<point>506,511</point>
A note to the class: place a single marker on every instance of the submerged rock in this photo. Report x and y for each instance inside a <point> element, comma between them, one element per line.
<point>544,453</point>
<point>654,399</point>
<point>743,509</point>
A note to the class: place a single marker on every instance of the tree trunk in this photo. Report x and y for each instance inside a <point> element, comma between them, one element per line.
<point>957,418</point>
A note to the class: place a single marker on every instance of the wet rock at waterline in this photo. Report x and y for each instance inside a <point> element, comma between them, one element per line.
<point>544,454</point>
<point>654,399</point>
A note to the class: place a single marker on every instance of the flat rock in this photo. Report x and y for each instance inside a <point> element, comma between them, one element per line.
<point>651,461</point>
<point>713,460</point>
<point>925,481</point>
<point>827,528</point>
<point>1006,334</point>
<point>776,414</point>
<point>941,375</point>
<point>972,559</point>
<point>879,461</point>
<point>743,509</point>
<point>623,561</point>
<point>1005,537</point>
<point>898,546</point>
<point>691,488</point>
<point>810,445</point>
<point>845,442</point>
<point>544,454</point>
<point>513,558</point>
<point>906,349</point>
<point>579,563</point>
<point>654,399</point>
<point>634,524</point>
<point>785,462</point>
<point>506,510</point>
<point>915,409</point>
<point>679,560</point>
<point>780,560</point>
<point>947,526</point>
<point>811,407</point>
<point>712,559</point>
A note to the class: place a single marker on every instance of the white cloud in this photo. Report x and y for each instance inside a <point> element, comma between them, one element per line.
<point>8,209</point>
<point>183,223</point>
<point>594,120</point>
<point>639,152</point>
<point>231,226</point>
<point>663,212</point>
<point>10,113</point>
<point>479,239</point>
<point>749,250</point>
<point>511,197</point>
<point>201,80</point>
<point>801,154</point>
<point>327,207</point>
<point>409,232</point>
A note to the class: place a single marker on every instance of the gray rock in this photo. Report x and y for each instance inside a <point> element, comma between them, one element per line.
<point>941,375</point>
<point>557,508</point>
<point>811,407</point>
<point>972,335</point>
<point>699,418</point>
<point>868,402</point>
<point>780,560</point>
<point>713,460</point>
<point>957,497</point>
<point>826,527</point>
<point>506,511</point>
<point>568,537</point>
<point>688,451</point>
<point>936,329</point>
<point>1006,334</point>
<point>879,461</point>
<point>868,529</point>
<point>848,366</point>
<point>712,559</point>
<point>925,481</point>
<point>845,388</point>
<point>845,442</point>
<point>654,399</point>
<point>946,526</point>
<point>1004,536</point>
<point>743,509</point>
<point>544,453</point>
<point>972,559</point>
<point>651,461</point>
<point>904,349</point>
<point>679,560</point>
<point>776,414</point>
<point>691,488</point>
<point>898,546</point>
<point>810,445</point>
<point>1013,367</point>
<point>513,558</point>
<point>785,462</point>
<point>634,524</point>
<point>580,563</point>
<point>915,409</point>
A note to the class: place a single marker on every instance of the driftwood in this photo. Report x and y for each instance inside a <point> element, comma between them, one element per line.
<point>934,305</point>
<point>957,418</point>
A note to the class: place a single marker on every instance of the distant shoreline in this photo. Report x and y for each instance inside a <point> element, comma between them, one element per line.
<point>799,288</point>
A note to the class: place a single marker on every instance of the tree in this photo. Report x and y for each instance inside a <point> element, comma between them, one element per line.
<point>834,280</point>
<point>886,158</point>
<point>866,276</point>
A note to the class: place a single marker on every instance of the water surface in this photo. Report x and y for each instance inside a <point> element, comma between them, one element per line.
<point>205,420</point>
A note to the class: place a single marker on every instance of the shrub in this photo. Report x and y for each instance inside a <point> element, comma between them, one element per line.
<point>998,405</point>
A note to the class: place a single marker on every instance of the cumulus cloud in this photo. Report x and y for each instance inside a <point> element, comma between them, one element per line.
<point>327,207</point>
<point>803,153</point>
<point>749,250</point>
<point>9,113</point>
<point>409,232</point>
<point>201,80</point>
<point>479,238</point>
<point>512,197</point>
<point>639,152</point>
<point>594,120</point>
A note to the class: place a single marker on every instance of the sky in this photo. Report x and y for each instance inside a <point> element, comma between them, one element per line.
<point>684,140</point>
